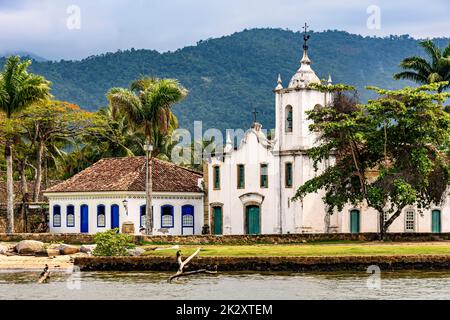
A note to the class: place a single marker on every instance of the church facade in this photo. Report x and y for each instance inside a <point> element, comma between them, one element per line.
<point>250,189</point>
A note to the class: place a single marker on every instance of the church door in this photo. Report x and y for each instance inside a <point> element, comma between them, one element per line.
<point>354,221</point>
<point>253,221</point>
<point>436,221</point>
<point>217,212</point>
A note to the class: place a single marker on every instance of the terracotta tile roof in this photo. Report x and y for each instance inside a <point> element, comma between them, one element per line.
<point>128,174</point>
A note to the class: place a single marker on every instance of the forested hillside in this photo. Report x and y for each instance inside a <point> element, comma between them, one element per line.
<point>229,76</point>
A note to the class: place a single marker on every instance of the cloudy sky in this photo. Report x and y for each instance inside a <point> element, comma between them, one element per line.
<point>74,29</point>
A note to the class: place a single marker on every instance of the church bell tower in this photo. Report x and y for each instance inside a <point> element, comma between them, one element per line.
<point>292,103</point>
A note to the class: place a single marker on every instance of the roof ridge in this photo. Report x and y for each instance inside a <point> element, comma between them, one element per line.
<point>178,166</point>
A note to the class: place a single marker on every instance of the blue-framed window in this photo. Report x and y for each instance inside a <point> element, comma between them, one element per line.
<point>187,216</point>
<point>101,216</point>
<point>167,216</point>
<point>57,216</point>
<point>70,216</point>
<point>142,215</point>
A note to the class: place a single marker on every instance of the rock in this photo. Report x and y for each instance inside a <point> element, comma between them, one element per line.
<point>3,249</point>
<point>65,249</point>
<point>135,252</point>
<point>52,252</point>
<point>30,247</point>
<point>85,248</point>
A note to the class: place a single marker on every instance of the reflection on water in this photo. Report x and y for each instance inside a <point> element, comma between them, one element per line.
<point>153,285</point>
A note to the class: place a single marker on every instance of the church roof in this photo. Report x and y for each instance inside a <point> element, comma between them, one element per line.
<point>128,174</point>
<point>305,74</point>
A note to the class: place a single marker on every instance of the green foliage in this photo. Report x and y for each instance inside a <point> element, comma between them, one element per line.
<point>18,88</point>
<point>422,71</point>
<point>112,243</point>
<point>229,76</point>
<point>148,105</point>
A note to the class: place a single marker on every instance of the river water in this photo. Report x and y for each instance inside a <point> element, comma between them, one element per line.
<point>17,284</point>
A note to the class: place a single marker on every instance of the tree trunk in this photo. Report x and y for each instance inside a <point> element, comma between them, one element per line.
<point>38,181</point>
<point>149,190</point>
<point>382,231</point>
<point>9,189</point>
<point>23,180</point>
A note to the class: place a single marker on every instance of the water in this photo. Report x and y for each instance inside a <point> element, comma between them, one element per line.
<point>18,284</point>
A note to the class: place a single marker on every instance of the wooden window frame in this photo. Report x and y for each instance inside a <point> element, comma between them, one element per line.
<point>68,214</point>
<point>57,214</point>
<point>172,214</point>
<point>99,214</point>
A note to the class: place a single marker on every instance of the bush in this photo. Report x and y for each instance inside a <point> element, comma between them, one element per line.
<point>112,243</point>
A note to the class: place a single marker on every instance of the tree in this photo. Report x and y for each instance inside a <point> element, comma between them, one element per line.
<point>425,72</point>
<point>147,105</point>
<point>18,90</point>
<point>390,153</point>
<point>51,125</point>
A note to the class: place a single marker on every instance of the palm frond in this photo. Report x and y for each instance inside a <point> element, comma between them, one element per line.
<point>446,52</point>
<point>432,50</point>
<point>143,83</point>
<point>128,103</point>
<point>409,75</point>
<point>417,63</point>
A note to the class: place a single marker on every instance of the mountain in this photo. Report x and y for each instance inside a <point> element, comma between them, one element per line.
<point>229,76</point>
<point>24,54</point>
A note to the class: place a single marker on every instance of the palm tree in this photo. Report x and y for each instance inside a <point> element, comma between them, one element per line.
<point>425,72</point>
<point>148,106</point>
<point>18,90</point>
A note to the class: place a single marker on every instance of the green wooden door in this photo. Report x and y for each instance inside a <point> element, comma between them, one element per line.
<point>253,225</point>
<point>354,221</point>
<point>436,221</point>
<point>218,220</point>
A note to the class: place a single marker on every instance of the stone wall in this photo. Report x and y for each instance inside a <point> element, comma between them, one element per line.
<point>31,220</point>
<point>233,240</point>
<point>291,264</point>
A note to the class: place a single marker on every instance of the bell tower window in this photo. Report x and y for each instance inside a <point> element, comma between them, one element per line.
<point>289,119</point>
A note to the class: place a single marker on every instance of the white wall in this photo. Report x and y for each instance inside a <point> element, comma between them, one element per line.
<point>135,201</point>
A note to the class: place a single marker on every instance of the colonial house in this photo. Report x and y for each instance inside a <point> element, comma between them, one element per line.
<point>250,189</point>
<point>112,191</point>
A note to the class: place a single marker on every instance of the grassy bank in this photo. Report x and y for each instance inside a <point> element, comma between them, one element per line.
<point>360,249</point>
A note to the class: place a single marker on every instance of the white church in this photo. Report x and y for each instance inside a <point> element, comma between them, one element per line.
<point>247,190</point>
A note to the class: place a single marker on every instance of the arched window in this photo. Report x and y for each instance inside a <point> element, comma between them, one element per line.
<point>57,216</point>
<point>101,215</point>
<point>167,216</point>
<point>289,119</point>
<point>187,213</point>
<point>142,215</point>
<point>70,218</point>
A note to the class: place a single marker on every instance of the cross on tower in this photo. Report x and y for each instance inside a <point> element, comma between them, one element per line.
<point>255,113</point>
<point>306,36</point>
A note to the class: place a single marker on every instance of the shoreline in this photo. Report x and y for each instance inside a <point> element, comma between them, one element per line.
<point>291,264</point>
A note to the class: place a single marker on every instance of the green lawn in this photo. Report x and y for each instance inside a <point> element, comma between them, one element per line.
<point>310,250</point>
